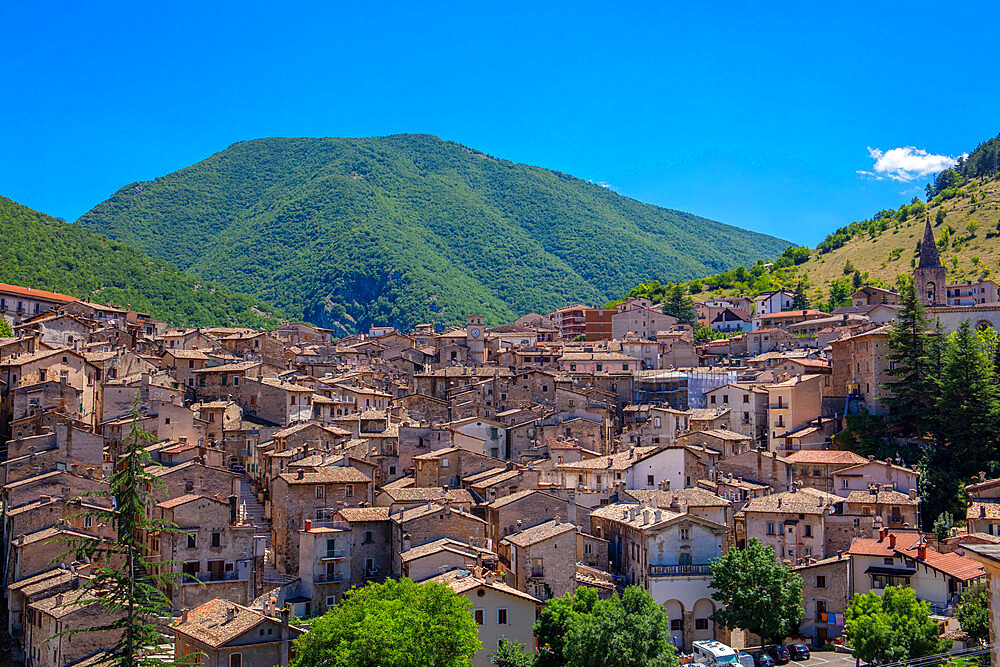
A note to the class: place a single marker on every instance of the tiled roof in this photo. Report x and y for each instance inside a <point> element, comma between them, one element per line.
<point>540,533</point>
<point>64,604</point>
<point>645,516</point>
<point>518,495</point>
<point>445,544</point>
<point>432,493</point>
<point>619,461</point>
<point>352,514</point>
<point>327,475</point>
<point>952,564</point>
<point>36,293</point>
<point>210,624</point>
<point>804,501</point>
<point>825,456</point>
<point>883,496</point>
<point>186,498</point>
<point>461,581</point>
<point>866,546</point>
<point>685,497</point>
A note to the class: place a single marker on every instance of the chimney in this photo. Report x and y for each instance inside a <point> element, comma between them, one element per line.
<point>982,476</point>
<point>184,615</point>
<point>233,509</point>
<point>308,525</point>
<point>922,550</point>
<point>230,613</point>
<point>892,540</point>
<point>913,494</point>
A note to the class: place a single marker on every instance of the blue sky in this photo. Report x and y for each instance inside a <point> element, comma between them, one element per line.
<point>759,116</point>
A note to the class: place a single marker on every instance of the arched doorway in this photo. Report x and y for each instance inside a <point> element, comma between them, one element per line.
<point>704,628</point>
<point>675,612</point>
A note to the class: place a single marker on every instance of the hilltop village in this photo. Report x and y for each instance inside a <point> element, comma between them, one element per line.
<point>587,447</point>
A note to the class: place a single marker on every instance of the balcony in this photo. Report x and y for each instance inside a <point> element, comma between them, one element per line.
<point>333,554</point>
<point>327,578</point>
<point>678,570</point>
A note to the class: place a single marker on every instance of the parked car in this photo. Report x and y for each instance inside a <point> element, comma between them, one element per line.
<point>779,653</point>
<point>745,659</point>
<point>761,659</point>
<point>798,651</point>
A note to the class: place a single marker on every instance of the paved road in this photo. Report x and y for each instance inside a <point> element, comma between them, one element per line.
<point>825,659</point>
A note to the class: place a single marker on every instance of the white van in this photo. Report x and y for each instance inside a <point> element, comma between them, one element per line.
<point>714,653</point>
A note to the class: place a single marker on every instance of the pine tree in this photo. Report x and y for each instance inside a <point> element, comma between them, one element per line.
<point>913,390</point>
<point>680,305</point>
<point>800,301</point>
<point>5,330</point>
<point>127,579</point>
<point>968,401</point>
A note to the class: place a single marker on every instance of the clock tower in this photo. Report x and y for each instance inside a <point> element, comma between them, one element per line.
<point>475,335</point>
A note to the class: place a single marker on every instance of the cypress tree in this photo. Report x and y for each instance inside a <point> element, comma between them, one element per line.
<point>913,387</point>
<point>129,582</point>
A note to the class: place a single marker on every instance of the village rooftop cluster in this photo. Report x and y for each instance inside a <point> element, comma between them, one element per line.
<point>597,447</point>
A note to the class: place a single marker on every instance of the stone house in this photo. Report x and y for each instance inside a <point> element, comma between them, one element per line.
<point>541,560</point>
<point>825,590</point>
<point>816,468</point>
<point>528,508</point>
<point>860,368</point>
<point>231,635</point>
<point>182,364</point>
<point>498,609</point>
<point>63,612</point>
<point>371,543</point>
<point>431,559</point>
<point>902,558</point>
<point>224,380</point>
<point>447,466</point>
<point>215,554</point>
<point>892,509</point>
<point>669,554</point>
<point>760,466</point>
<point>747,408</point>
<point>792,403</point>
<point>884,473</point>
<point>65,366</point>
<point>310,494</point>
<point>420,525</point>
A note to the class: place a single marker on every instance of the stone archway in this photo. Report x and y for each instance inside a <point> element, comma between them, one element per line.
<point>703,626</point>
<point>675,612</point>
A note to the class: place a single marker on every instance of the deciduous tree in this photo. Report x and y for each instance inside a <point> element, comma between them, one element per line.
<point>892,627</point>
<point>393,624</point>
<point>758,593</point>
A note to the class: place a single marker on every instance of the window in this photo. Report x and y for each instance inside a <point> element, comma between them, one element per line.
<point>820,581</point>
<point>588,548</point>
<point>809,530</point>
<point>536,567</point>
<point>188,486</point>
<point>685,558</point>
<point>701,624</point>
<point>216,539</point>
<point>88,521</point>
<point>650,480</point>
<point>712,399</point>
<point>887,561</point>
<point>845,483</point>
<point>675,625</point>
<point>770,529</point>
<point>369,537</point>
<point>331,548</point>
<point>192,541</point>
<point>685,533</point>
<point>236,660</point>
<point>348,491</point>
<point>479,616</point>
<point>320,492</point>
<point>501,616</point>
<point>746,398</point>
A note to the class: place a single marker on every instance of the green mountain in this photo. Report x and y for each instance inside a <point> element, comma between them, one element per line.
<point>409,228</point>
<point>36,250</point>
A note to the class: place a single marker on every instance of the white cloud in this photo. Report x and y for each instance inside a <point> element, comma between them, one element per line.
<point>906,163</point>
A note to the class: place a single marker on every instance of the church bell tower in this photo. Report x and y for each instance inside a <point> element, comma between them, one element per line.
<point>929,276</point>
<point>474,339</point>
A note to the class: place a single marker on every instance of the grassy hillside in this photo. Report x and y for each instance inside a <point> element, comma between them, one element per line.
<point>968,239</point>
<point>409,228</point>
<point>36,250</point>
<point>963,205</point>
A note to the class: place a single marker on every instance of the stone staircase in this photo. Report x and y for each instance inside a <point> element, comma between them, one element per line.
<point>252,512</point>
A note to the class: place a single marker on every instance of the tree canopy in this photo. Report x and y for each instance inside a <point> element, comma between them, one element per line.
<point>392,624</point>
<point>891,627</point>
<point>758,593</point>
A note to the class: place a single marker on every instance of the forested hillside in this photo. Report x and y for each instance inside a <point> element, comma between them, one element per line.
<point>36,250</point>
<point>409,228</point>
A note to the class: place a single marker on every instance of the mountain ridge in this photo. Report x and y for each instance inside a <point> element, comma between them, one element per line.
<point>408,228</point>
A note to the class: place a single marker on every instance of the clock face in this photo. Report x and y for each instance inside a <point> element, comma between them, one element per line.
<point>475,333</point>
